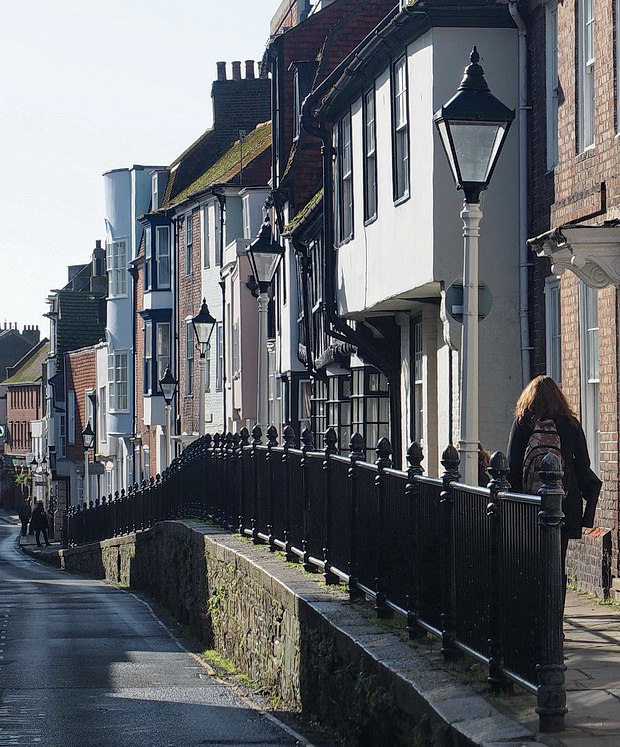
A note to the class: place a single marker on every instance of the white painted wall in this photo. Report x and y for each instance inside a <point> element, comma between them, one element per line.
<point>415,249</point>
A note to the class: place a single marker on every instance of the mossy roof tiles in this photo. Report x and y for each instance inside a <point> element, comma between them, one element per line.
<point>228,167</point>
<point>28,369</point>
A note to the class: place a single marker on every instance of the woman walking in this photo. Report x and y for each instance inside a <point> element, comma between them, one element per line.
<point>542,414</point>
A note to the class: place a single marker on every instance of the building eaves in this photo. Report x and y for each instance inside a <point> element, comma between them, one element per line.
<point>28,369</point>
<point>400,27</point>
<point>305,215</point>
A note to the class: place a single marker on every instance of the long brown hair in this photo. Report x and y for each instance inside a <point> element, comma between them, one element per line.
<point>542,398</point>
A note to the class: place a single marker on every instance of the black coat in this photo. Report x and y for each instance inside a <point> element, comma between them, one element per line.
<point>580,483</point>
<point>39,519</point>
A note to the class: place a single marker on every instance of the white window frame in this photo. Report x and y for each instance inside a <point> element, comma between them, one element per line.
<point>148,357</point>
<point>370,154</point>
<point>116,264</point>
<point>162,253</point>
<point>552,83</point>
<point>71,416</point>
<point>118,381</point>
<point>586,60</point>
<point>189,241</point>
<point>189,358</point>
<point>219,360</point>
<point>148,258</point>
<point>590,373</point>
<point>400,129</point>
<point>207,234</point>
<point>553,327</point>
<point>102,412</point>
<point>162,343</point>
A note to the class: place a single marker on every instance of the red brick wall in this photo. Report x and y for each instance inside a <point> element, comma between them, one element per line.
<point>583,188</point>
<point>23,406</point>
<point>81,375</point>
<point>189,305</point>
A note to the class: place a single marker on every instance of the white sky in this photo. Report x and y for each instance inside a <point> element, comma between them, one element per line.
<point>92,85</point>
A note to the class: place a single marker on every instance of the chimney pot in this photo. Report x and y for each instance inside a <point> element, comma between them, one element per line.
<point>236,70</point>
<point>98,244</point>
<point>221,71</point>
<point>249,69</point>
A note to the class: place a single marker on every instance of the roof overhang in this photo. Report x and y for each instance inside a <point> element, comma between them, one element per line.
<point>591,252</point>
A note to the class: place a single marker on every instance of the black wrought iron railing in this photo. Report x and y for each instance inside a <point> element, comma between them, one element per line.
<point>480,568</point>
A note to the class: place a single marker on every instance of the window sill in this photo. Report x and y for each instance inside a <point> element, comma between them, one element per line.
<point>586,153</point>
<point>370,220</point>
<point>399,200</point>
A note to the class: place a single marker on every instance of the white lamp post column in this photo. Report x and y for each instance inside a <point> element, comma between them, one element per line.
<point>262,409</point>
<point>472,126</point>
<point>264,255</point>
<point>203,329</point>
<point>168,386</point>
<point>88,439</point>
<point>468,437</point>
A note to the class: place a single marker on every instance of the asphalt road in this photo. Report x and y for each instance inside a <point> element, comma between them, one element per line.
<point>83,664</point>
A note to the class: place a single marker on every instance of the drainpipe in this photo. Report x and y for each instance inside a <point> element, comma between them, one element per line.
<point>524,252</point>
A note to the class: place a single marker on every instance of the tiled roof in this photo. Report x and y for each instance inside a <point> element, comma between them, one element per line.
<point>79,322</point>
<point>28,369</point>
<point>226,170</point>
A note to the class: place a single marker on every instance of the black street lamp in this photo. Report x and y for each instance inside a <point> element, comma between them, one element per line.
<point>472,126</point>
<point>168,385</point>
<point>203,324</point>
<point>264,255</point>
<point>88,440</point>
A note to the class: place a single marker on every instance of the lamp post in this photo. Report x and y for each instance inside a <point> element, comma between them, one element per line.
<point>264,254</point>
<point>203,324</point>
<point>168,385</point>
<point>472,126</point>
<point>88,439</point>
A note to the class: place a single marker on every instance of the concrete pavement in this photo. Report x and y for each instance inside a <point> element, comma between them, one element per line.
<point>592,653</point>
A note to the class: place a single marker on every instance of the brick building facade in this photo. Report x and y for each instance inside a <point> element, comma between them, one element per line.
<point>575,206</point>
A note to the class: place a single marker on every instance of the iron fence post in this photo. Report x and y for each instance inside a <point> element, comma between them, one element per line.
<point>415,455</point>
<point>244,436</point>
<point>551,693</point>
<point>498,469</point>
<point>450,461</point>
<point>357,452</point>
<point>384,451</point>
<point>257,436</point>
<point>288,436</point>
<point>331,439</point>
<point>272,442</point>
<point>307,440</point>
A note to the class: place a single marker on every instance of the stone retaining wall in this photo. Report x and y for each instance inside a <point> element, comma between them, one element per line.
<point>298,639</point>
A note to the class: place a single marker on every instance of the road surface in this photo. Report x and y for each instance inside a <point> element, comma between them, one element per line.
<point>84,664</point>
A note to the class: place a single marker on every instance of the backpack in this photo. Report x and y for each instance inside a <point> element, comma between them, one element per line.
<point>544,439</point>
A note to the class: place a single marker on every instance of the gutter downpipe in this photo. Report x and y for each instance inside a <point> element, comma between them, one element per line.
<point>524,252</point>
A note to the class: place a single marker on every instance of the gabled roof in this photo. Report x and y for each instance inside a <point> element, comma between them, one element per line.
<point>227,169</point>
<point>28,369</point>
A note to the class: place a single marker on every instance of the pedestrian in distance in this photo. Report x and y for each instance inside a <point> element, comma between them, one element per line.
<point>39,522</point>
<point>544,422</point>
<point>25,512</point>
